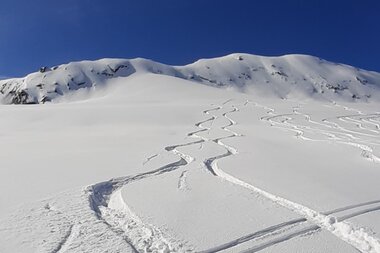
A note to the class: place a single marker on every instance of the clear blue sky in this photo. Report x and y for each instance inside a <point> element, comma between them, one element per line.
<point>48,32</point>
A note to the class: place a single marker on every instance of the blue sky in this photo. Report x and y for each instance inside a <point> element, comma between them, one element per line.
<point>49,32</point>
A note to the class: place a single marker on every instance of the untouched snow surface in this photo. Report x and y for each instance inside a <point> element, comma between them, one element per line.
<point>149,159</point>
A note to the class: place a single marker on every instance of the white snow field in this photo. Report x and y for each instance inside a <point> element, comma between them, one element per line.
<point>241,153</point>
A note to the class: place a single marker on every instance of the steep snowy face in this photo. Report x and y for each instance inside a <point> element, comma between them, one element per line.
<point>285,76</point>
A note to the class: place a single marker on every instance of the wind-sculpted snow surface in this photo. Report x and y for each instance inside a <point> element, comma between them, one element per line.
<point>285,76</point>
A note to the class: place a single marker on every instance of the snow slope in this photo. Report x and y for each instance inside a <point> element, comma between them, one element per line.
<point>152,160</point>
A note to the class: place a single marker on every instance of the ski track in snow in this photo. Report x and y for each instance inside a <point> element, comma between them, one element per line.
<point>68,239</point>
<point>108,207</point>
<point>101,194</point>
<point>150,158</point>
<point>358,238</point>
<point>282,232</point>
<point>182,184</point>
<point>344,136</point>
<point>141,236</point>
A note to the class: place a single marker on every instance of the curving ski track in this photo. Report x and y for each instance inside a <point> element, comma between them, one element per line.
<point>101,194</point>
<point>333,132</point>
<point>344,231</point>
<point>287,228</point>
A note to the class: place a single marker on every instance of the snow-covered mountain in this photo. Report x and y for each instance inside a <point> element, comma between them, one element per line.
<point>154,158</point>
<point>284,76</point>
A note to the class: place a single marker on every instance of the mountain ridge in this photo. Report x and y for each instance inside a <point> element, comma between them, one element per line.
<point>282,76</point>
